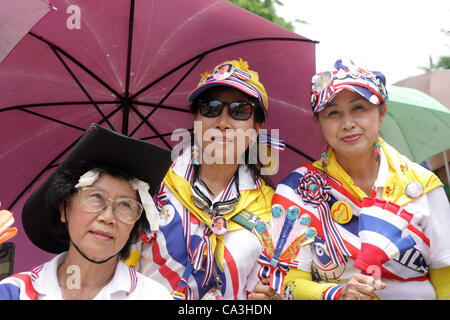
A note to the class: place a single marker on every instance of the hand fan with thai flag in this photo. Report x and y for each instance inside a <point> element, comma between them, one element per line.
<point>6,220</point>
<point>381,224</point>
<point>282,239</point>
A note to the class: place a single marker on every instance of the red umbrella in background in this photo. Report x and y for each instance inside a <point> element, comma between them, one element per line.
<point>129,65</point>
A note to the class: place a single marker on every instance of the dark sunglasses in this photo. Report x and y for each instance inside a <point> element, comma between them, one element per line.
<point>203,203</point>
<point>239,110</point>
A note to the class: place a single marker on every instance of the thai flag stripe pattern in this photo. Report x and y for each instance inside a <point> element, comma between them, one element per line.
<point>227,192</point>
<point>133,278</point>
<point>380,229</point>
<point>274,143</point>
<point>18,287</point>
<point>242,74</point>
<point>287,196</point>
<point>332,293</point>
<point>240,84</point>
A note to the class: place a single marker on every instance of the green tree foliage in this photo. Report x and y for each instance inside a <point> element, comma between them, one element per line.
<point>442,64</point>
<point>265,9</point>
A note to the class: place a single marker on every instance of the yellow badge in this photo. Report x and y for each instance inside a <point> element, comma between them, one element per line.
<point>341,212</point>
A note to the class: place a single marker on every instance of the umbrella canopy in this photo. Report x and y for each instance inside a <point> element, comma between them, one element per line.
<point>19,18</point>
<point>415,124</point>
<point>129,65</point>
<point>434,83</point>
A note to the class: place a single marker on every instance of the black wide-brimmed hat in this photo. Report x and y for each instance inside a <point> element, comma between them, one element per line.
<point>101,146</point>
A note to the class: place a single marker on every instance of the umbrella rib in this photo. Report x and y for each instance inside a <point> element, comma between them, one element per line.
<point>202,55</point>
<point>126,101</point>
<point>53,119</point>
<point>47,167</point>
<point>300,152</point>
<point>129,48</point>
<point>168,94</point>
<point>79,64</point>
<point>150,126</point>
<point>74,77</point>
<point>52,163</point>
<point>181,80</point>
<point>55,104</point>
<point>161,106</point>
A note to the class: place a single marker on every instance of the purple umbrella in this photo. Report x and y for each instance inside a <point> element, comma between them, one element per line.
<point>129,65</point>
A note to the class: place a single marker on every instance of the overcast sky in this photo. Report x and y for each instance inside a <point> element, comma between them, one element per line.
<point>391,36</point>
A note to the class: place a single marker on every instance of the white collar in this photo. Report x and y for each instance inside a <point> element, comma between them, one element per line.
<point>44,277</point>
<point>45,280</point>
<point>124,279</point>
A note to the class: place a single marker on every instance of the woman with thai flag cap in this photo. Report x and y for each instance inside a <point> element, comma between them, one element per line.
<point>382,220</point>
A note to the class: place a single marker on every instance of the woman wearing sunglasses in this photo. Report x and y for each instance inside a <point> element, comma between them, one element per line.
<point>382,220</point>
<point>89,212</point>
<point>213,178</point>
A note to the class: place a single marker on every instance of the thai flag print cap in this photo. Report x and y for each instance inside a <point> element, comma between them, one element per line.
<point>371,85</point>
<point>235,74</point>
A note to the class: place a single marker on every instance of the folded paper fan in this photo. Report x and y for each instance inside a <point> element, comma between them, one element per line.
<point>281,240</point>
<point>381,224</point>
<point>6,220</point>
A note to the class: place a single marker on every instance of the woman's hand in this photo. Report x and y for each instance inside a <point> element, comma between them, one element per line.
<point>361,287</point>
<point>263,291</point>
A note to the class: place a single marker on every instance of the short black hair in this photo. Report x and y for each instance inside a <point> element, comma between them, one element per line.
<point>62,187</point>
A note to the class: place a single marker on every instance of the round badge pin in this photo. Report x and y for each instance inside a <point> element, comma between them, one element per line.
<point>323,81</point>
<point>341,212</point>
<point>414,189</point>
<point>223,71</point>
<point>292,213</point>
<point>219,225</point>
<point>260,227</point>
<point>277,211</point>
<point>166,215</point>
<point>311,233</point>
<point>305,219</point>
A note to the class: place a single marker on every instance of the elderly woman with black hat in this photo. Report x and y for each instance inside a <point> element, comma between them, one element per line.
<point>382,220</point>
<point>89,211</point>
<point>215,177</point>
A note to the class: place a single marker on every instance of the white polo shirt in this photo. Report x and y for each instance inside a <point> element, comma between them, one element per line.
<point>41,283</point>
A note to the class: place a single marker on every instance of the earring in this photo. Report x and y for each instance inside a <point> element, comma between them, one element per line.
<point>325,155</point>
<point>195,155</point>
<point>377,150</point>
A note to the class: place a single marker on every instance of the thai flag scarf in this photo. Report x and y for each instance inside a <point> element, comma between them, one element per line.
<point>211,248</point>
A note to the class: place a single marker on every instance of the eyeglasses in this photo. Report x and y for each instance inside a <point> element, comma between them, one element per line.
<point>239,110</point>
<point>124,209</point>
<point>219,208</point>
